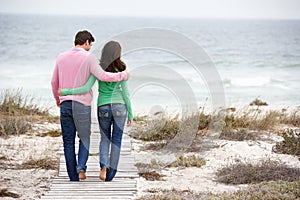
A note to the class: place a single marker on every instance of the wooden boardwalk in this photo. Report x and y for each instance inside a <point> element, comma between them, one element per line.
<point>123,186</point>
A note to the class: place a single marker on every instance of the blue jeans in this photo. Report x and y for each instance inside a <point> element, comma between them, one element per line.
<point>111,116</point>
<point>74,117</point>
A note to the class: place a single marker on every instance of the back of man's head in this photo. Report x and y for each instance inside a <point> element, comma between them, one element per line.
<point>82,36</point>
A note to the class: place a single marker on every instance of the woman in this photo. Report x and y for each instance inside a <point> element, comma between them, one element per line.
<point>113,106</point>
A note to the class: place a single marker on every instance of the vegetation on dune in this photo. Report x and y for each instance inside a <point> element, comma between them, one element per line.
<point>267,179</point>
<point>17,113</point>
<point>233,124</point>
<point>271,190</point>
<point>249,173</point>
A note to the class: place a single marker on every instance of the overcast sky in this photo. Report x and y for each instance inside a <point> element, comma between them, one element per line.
<point>265,9</point>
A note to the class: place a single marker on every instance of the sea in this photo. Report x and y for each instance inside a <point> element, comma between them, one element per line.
<point>173,62</point>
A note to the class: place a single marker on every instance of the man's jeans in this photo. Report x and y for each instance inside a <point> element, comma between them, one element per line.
<point>74,117</point>
<point>111,115</point>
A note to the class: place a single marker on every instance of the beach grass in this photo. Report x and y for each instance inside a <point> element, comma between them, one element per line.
<point>18,112</point>
<point>13,102</point>
<point>249,173</point>
<point>51,133</point>
<point>266,190</point>
<point>149,171</point>
<point>235,124</point>
<point>290,144</point>
<point>188,161</point>
<point>5,193</point>
<point>42,163</point>
<point>265,179</point>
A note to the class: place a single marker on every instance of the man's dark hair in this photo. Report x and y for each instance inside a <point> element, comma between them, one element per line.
<point>82,36</point>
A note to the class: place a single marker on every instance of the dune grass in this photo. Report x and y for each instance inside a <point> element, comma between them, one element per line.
<point>43,163</point>
<point>233,124</point>
<point>249,173</point>
<point>5,193</point>
<point>271,190</point>
<point>268,179</point>
<point>13,102</point>
<point>18,112</point>
<point>290,144</point>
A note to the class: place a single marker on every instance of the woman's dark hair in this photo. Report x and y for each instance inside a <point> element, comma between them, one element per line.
<point>110,59</point>
<point>82,36</point>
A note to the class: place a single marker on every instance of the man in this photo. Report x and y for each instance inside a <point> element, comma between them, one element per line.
<point>72,70</point>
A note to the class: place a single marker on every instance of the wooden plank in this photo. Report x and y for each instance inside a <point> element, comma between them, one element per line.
<point>89,193</point>
<point>99,185</point>
<point>97,169</point>
<point>92,180</point>
<point>123,186</point>
<point>96,174</point>
<point>123,197</point>
<point>96,188</point>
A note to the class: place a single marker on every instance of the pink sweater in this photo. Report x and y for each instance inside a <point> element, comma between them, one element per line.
<point>73,68</point>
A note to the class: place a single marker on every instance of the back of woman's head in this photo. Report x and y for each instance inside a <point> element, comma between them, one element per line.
<point>111,57</point>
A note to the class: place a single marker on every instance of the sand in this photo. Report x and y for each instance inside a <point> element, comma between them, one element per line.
<point>202,180</point>
<point>32,183</point>
<point>17,177</point>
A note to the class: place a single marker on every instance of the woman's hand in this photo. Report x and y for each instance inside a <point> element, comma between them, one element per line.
<point>129,122</point>
<point>127,75</point>
<point>59,92</point>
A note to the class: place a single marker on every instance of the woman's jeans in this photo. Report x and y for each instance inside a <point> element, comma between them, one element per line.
<point>111,116</point>
<point>74,117</point>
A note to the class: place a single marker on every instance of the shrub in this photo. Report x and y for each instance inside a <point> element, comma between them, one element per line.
<point>266,190</point>
<point>5,193</point>
<point>148,171</point>
<point>292,118</point>
<point>188,161</point>
<point>265,170</point>
<point>290,143</point>
<point>258,102</point>
<point>13,103</point>
<point>43,163</point>
<point>13,125</point>
<point>237,135</point>
<point>164,129</point>
<point>16,113</point>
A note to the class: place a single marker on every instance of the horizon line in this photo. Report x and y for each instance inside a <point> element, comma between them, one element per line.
<point>146,16</point>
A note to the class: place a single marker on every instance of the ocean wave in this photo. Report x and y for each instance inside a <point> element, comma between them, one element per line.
<point>294,65</point>
<point>248,81</point>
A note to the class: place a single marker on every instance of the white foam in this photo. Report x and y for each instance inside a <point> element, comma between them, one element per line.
<point>250,81</point>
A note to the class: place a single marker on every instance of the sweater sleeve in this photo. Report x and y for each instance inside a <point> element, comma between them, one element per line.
<point>55,83</point>
<point>126,97</point>
<point>102,75</point>
<point>80,90</point>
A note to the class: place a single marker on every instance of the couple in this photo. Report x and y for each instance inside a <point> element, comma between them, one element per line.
<point>74,75</point>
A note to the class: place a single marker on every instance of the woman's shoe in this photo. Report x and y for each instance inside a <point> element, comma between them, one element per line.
<point>102,175</point>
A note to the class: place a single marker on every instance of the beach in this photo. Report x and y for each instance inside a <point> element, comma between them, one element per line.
<point>237,62</point>
<point>202,180</point>
<point>218,152</point>
<point>30,181</point>
<point>29,162</point>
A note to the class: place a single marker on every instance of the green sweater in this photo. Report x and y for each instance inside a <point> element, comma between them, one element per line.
<point>108,93</point>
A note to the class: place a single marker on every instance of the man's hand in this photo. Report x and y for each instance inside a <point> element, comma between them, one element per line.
<point>58,103</point>
<point>129,122</point>
<point>59,92</point>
